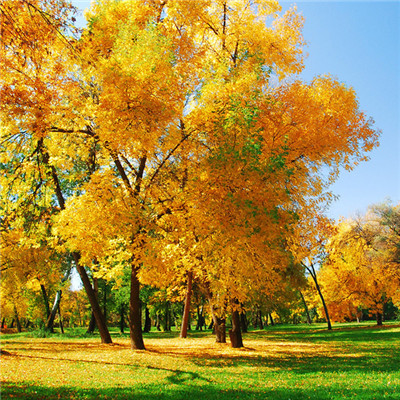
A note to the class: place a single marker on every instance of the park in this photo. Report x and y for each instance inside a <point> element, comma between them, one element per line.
<point>282,362</point>
<point>167,171</point>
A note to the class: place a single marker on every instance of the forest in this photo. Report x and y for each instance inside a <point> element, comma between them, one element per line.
<point>168,154</point>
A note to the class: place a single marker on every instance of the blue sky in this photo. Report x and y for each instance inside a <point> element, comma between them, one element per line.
<point>358,42</point>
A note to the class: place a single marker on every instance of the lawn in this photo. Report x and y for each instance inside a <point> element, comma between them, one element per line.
<point>281,362</point>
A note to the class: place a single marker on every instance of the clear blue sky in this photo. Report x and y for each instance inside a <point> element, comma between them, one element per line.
<point>358,42</point>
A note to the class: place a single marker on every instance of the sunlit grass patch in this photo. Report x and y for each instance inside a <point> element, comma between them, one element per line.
<point>275,364</point>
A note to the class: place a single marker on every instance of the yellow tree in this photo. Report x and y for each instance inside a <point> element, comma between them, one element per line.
<point>140,102</point>
<point>361,267</point>
<point>158,91</point>
<point>37,48</point>
<point>307,245</point>
<point>29,269</point>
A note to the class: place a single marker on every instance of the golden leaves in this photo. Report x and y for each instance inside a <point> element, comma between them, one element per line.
<point>169,140</point>
<point>358,268</point>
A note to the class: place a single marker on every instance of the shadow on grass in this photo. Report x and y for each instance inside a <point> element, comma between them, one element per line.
<point>192,392</point>
<point>310,334</point>
<point>309,363</point>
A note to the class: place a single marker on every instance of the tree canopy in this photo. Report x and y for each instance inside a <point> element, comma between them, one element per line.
<point>167,137</point>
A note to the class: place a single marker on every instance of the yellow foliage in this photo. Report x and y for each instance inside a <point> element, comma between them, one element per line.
<point>160,125</point>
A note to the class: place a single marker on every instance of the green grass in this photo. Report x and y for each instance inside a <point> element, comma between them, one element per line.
<point>282,362</point>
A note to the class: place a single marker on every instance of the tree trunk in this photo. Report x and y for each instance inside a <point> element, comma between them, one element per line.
<point>220,329</point>
<point>158,325</point>
<point>272,320</point>
<point>186,311</point>
<point>100,320</point>
<point>323,303</point>
<point>46,301</point>
<point>167,318</point>
<point>3,322</point>
<point>92,323</point>
<point>313,274</point>
<point>243,322</point>
<point>135,314</point>
<point>147,320</point>
<point>235,333</point>
<point>379,319</point>
<point>19,328</point>
<point>60,317</point>
<point>305,308</point>
<point>105,300</point>
<point>121,318</point>
<point>260,320</point>
<point>53,312</point>
<point>200,319</point>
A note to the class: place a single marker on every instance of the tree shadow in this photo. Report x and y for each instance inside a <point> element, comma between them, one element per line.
<point>194,392</point>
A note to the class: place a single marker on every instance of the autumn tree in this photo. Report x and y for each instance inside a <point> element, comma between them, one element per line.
<point>37,49</point>
<point>361,269</point>
<point>174,102</point>
<point>31,274</point>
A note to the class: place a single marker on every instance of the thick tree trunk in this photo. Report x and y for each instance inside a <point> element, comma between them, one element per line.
<point>235,333</point>
<point>53,312</point>
<point>186,311</point>
<point>147,320</point>
<point>100,320</point>
<point>305,308</point>
<point>92,323</point>
<point>3,323</point>
<point>46,301</point>
<point>135,314</point>
<point>379,318</point>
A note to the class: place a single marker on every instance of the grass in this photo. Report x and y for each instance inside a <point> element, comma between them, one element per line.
<point>281,362</point>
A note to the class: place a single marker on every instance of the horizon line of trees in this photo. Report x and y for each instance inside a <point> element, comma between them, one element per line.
<point>355,287</point>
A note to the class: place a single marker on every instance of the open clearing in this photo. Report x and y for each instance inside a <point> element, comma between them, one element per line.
<point>282,362</point>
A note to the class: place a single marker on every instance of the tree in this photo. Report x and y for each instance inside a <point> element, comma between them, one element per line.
<point>308,247</point>
<point>158,91</point>
<point>28,268</point>
<point>361,268</point>
<point>37,43</point>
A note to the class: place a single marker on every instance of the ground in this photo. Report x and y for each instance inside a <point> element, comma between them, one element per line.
<point>282,362</point>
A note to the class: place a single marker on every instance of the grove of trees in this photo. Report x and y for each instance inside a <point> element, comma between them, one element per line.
<point>170,154</point>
